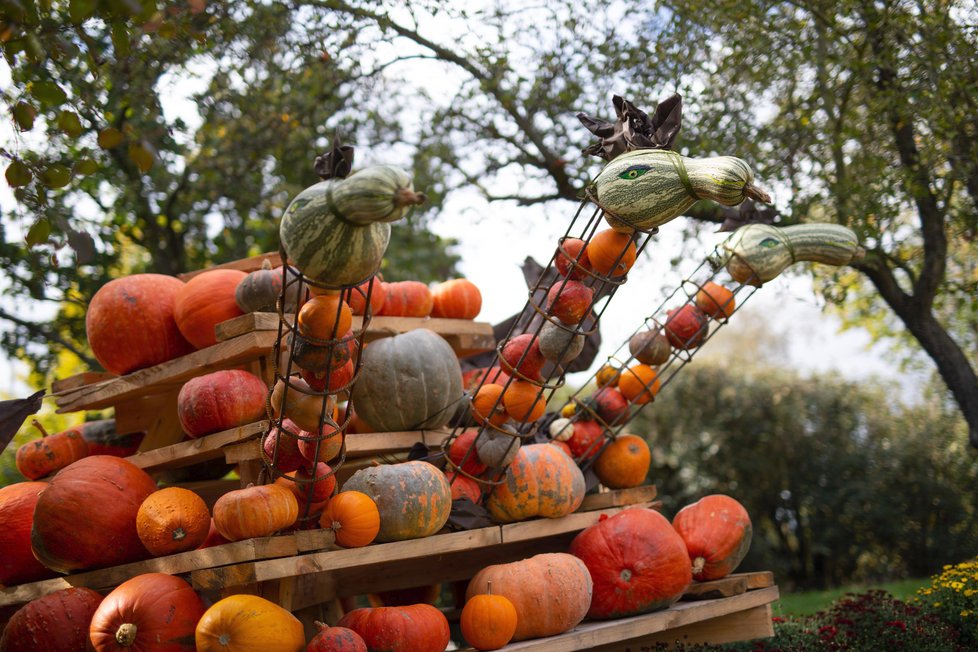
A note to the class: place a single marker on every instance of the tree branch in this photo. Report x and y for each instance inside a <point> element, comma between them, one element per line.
<point>37,330</point>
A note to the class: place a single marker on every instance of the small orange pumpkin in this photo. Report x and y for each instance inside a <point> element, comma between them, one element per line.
<point>488,406</point>
<point>356,297</point>
<point>255,512</point>
<point>354,518</point>
<point>611,253</point>
<point>717,532</point>
<point>607,375</point>
<point>407,299</point>
<point>247,623</point>
<point>325,317</point>
<point>715,300</point>
<point>456,299</point>
<point>302,408</point>
<point>488,621</point>
<point>639,384</point>
<point>524,401</point>
<point>50,453</point>
<point>205,301</point>
<point>172,520</point>
<point>624,462</point>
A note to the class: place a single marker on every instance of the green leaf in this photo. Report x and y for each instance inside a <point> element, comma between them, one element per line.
<point>24,115</point>
<point>80,10</point>
<point>167,30</point>
<point>70,123</point>
<point>56,176</point>
<point>109,137</point>
<point>18,174</point>
<point>48,92</point>
<point>142,155</point>
<point>120,40</point>
<point>39,233</point>
<point>85,166</point>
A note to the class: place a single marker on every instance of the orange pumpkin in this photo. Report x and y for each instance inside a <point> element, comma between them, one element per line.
<point>624,462</point>
<point>356,297</point>
<point>354,518</point>
<point>488,621</point>
<point>607,375</point>
<point>220,401</point>
<point>336,639</point>
<point>50,453</point>
<point>54,622</point>
<point>296,403</point>
<point>717,532</point>
<point>571,258</point>
<point>456,299</point>
<point>639,384</point>
<point>172,520</point>
<point>322,447</point>
<point>130,323</point>
<point>541,481</point>
<point>407,299</point>
<point>487,405</point>
<point>325,317</point>
<point>255,512</point>
<point>463,487</point>
<point>412,628</point>
<point>524,401</point>
<point>551,592</point>
<point>462,453</point>
<point>247,623</point>
<point>17,562</point>
<point>611,253</point>
<point>414,498</point>
<point>205,301</point>
<point>715,300</point>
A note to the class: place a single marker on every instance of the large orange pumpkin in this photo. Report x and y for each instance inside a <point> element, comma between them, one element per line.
<point>624,462</point>
<point>717,531</point>
<point>413,498</point>
<point>220,401</point>
<point>55,622</point>
<point>414,628</point>
<point>154,611</point>
<point>247,623</point>
<point>17,562</point>
<point>86,518</point>
<point>172,520</point>
<point>456,299</point>
<point>637,561</point>
<point>541,481</point>
<point>204,302</point>
<point>130,323</point>
<point>255,511</point>
<point>551,592</point>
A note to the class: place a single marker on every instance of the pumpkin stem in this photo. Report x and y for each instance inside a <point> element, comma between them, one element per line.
<point>698,565</point>
<point>40,428</point>
<point>405,197</point>
<point>320,625</point>
<point>266,264</point>
<point>126,634</point>
<point>489,586</point>
<point>753,192</point>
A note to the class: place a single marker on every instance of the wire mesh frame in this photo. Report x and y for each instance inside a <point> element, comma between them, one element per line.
<point>603,285</point>
<point>679,356</point>
<point>323,386</point>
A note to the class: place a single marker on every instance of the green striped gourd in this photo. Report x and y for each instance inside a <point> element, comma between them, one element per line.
<point>646,188</point>
<point>756,253</point>
<point>336,232</point>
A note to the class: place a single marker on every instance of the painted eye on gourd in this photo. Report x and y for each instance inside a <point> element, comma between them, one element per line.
<point>634,172</point>
<point>769,243</point>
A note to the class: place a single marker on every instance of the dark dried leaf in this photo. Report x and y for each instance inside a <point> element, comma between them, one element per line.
<point>633,129</point>
<point>466,515</point>
<point>14,412</point>
<point>337,163</point>
<point>84,246</point>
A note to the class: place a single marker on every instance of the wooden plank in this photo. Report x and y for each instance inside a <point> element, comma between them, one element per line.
<point>159,378</point>
<point>184,562</point>
<point>722,588</point>
<point>759,580</point>
<point>322,539</point>
<point>465,336</point>
<point>660,625</point>
<point>619,497</point>
<point>80,380</point>
<point>244,265</point>
<point>540,528</point>
<point>196,450</point>
<point>165,429</point>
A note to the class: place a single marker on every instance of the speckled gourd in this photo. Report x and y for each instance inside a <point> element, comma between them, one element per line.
<point>646,188</point>
<point>336,231</point>
<point>757,253</point>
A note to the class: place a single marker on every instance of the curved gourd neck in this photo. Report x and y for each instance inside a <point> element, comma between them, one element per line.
<point>827,243</point>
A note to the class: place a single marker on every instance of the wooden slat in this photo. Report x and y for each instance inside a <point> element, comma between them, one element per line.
<point>465,336</point>
<point>731,585</point>
<point>617,498</point>
<point>79,380</point>
<point>168,375</point>
<point>196,450</point>
<point>184,562</point>
<point>244,265</point>
<point>661,625</point>
<point>759,580</point>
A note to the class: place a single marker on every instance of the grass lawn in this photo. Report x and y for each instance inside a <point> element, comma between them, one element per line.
<point>808,602</point>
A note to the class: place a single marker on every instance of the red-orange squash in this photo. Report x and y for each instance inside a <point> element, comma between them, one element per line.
<point>585,440</point>
<point>354,518</point>
<point>356,297</point>
<point>715,300</point>
<point>86,518</point>
<point>336,639</point>
<point>172,520</point>
<point>220,401</point>
<point>551,592</point>
<point>204,302</point>
<point>463,487</point>
<point>130,323</point>
<point>44,456</point>
<point>624,462</point>
<point>55,622</point>
<point>414,628</point>
<point>255,511</point>
<point>717,531</point>
<point>213,537</point>
<point>488,622</point>
<point>462,453</point>
<point>153,612</point>
<point>637,561</point>
<point>541,481</point>
<point>247,623</point>
<point>686,327</point>
<point>17,562</point>
<point>282,448</point>
<point>458,298</point>
<point>413,498</point>
<point>407,299</point>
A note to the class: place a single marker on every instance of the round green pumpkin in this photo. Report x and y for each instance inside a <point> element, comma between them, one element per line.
<point>411,381</point>
<point>413,498</point>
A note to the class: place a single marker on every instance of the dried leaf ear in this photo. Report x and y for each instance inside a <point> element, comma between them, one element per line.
<point>337,163</point>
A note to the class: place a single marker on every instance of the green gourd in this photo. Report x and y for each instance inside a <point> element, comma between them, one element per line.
<point>336,231</point>
<point>646,188</point>
<point>756,253</point>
